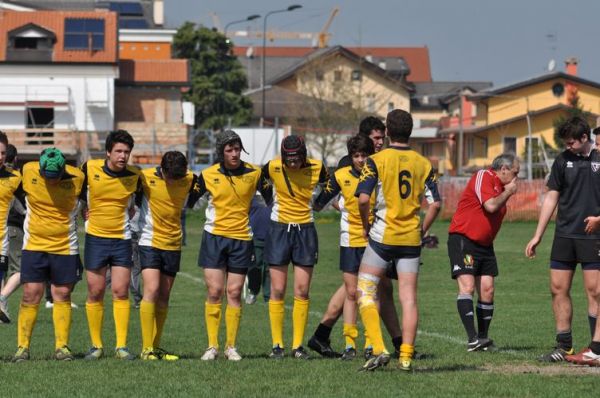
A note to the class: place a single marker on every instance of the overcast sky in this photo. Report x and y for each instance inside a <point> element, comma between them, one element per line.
<point>502,41</point>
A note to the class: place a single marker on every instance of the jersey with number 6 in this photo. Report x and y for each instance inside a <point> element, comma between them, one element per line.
<point>400,178</point>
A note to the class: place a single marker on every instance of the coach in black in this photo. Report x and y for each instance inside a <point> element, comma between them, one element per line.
<point>574,185</point>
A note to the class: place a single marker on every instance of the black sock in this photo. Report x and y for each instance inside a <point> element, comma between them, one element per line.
<point>323,332</point>
<point>485,311</point>
<point>564,340</point>
<point>397,342</point>
<point>592,321</point>
<point>464,304</point>
<point>595,347</point>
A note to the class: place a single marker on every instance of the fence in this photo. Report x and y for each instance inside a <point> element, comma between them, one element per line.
<point>523,206</point>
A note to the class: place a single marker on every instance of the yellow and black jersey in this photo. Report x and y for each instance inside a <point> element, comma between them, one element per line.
<point>109,196</point>
<point>344,182</point>
<point>51,220</point>
<point>400,178</point>
<point>293,189</point>
<point>9,182</point>
<point>161,206</point>
<point>230,193</point>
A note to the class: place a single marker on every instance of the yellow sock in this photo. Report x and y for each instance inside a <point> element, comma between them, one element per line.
<point>350,334</point>
<point>95,317</point>
<point>61,316</point>
<point>276,312</point>
<point>368,342</point>
<point>121,310</point>
<point>27,317</point>
<point>406,351</point>
<point>147,319</point>
<point>212,316</point>
<point>300,319</point>
<point>232,324</point>
<point>161,317</point>
<point>370,318</point>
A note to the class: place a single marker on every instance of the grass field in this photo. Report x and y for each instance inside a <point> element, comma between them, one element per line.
<point>522,328</point>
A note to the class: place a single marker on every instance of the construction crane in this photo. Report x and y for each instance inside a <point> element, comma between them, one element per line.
<point>318,39</point>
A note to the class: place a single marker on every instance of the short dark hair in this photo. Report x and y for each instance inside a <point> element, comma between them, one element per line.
<point>596,131</point>
<point>360,143</point>
<point>174,165</point>
<point>369,124</point>
<point>11,153</point>
<point>574,128</point>
<point>399,125</point>
<point>3,138</point>
<point>116,136</point>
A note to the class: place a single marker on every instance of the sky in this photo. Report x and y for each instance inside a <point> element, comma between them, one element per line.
<point>502,41</point>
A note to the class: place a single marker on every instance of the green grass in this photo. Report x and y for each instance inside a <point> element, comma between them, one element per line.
<point>523,328</point>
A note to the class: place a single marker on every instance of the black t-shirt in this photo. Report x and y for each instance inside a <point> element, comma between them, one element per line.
<point>577,179</point>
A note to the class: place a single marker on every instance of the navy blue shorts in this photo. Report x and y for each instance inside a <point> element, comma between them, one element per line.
<point>3,263</point>
<point>58,269</point>
<point>234,255</point>
<point>167,261</point>
<point>568,252</point>
<point>470,258</point>
<point>295,243</point>
<point>102,252</point>
<point>350,258</point>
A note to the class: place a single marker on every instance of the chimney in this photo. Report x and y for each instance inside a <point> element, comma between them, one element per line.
<point>571,66</point>
<point>159,12</point>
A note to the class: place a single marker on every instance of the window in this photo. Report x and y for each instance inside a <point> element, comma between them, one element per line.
<point>337,76</point>
<point>427,149</point>
<point>39,118</point>
<point>370,102</point>
<point>356,75</point>
<point>26,43</point>
<point>319,75</point>
<point>510,145</point>
<point>84,34</point>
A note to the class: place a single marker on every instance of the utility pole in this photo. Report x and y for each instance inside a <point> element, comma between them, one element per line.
<point>461,134</point>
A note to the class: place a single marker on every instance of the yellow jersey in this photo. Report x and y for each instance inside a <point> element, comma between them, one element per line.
<point>160,208</point>
<point>344,182</point>
<point>230,193</point>
<point>293,190</point>
<point>400,178</point>
<point>51,220</point>
<point>109,196</point>
<point>9,182</point>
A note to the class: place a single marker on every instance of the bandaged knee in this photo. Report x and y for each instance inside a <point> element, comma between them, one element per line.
<point>367,289</point>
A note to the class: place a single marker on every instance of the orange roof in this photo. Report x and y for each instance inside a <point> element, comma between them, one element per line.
<point>417,58</point>
<point>160,71</point>
<point>54,22</point>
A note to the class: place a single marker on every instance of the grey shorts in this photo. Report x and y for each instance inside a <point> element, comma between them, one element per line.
<point>15,248</point>
<point>406,259</point>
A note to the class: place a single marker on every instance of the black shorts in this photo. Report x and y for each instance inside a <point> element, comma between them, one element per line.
<point>567,252</point>
<point>58,269</point>
<point>295,243</point>
<point>167,261</point>
<point>468,257</point>
<point>350,258</point>
<point>219,252</point>
<point>3,263</point>
<point>102,252</point>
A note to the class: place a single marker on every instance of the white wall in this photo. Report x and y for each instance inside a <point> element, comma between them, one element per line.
<point>88,89</point>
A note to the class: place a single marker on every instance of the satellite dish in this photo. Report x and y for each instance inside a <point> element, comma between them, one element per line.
<point>551,65</point>
<point>249,52</point>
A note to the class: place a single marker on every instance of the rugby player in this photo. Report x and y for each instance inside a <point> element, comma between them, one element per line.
<point>165,192</point>
<point>402,177</point>
<point>109,188</point>
<point>573,185</point>
<point>292,237</point>
<point>474,226</point>
<point>352,242</point>
<point>50,247</point>
<point>226,250</point>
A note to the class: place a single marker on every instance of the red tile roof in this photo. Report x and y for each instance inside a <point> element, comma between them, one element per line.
<point>54,22</point>
<point>417,58</point>
<point>161,71</point>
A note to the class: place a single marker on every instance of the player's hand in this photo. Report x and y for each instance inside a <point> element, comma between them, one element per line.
<point>511,187</point>
<point>530,249</point>
<point>592,224</point>
<point>85,213</point>
<point>365,232</point>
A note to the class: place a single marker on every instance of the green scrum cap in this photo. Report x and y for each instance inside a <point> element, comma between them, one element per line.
<point>52,163</point>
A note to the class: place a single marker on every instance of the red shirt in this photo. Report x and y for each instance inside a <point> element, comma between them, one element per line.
<point>471,219</point>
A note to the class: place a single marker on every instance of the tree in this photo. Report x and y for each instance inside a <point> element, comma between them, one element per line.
<point>575,109</point>
<point>218,78</point>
